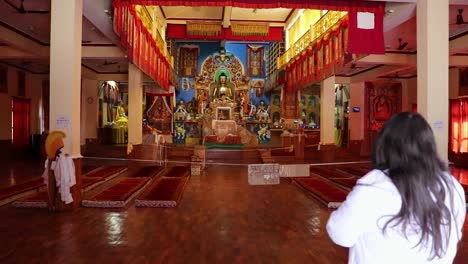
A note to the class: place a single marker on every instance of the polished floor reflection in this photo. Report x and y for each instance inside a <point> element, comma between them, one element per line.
<point>221,219</point>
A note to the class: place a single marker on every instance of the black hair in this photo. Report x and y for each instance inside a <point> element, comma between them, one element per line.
<point>406,151</point>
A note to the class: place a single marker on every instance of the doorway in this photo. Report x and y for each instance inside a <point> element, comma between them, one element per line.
<point>21,108</point>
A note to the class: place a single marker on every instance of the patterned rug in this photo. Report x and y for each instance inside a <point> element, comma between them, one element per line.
<point>178,171</point>
<point>323,190</point>
<point>117,195</point>
<point>148,171</point>
<point>106,172</point>
<point>11,193</point>
<point>37,200</point>
<point>164,192</point>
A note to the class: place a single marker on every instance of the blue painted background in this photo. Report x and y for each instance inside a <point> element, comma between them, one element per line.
<point>208,48</point>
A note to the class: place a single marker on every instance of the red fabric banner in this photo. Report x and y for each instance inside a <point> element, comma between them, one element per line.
<point>366,41</point>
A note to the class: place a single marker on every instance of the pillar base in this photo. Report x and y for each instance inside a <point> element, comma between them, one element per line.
<point>327,153</point>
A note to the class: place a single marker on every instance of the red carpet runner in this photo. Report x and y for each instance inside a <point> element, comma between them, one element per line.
<point>11,193</point>
<point>178,171</point>
<point>164,192</point>
<point>324,191</point>
<point>117,195</point>
<point>148,171</point>
<point>106,172</point>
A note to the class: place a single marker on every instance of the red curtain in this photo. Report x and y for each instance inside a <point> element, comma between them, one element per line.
<point>337,5</point>
<point>21,120</point>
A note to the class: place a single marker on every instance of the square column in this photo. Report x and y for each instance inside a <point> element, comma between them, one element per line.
<point>327,111</point>
<point>65,71</point>
<point>65,80</point>
<point>135,105</point>
<point>433,62</point>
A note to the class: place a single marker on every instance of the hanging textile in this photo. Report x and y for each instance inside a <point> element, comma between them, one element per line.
<point>255,60</point>
<point>250,28</point>
<point>188,61</point>
<point>366,33</point>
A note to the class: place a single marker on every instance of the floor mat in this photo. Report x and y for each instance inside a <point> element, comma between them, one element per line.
<point>323,190</point>
<point>148,171</point>
<point>164,192</point>
<point>88,183</point>
<point>11,193</point>
<point>106,172</point>
<point>117,195</point>
<point>38,200</point>
<point>357,171</point>
<point>328,172</point>
<point>178,171</point>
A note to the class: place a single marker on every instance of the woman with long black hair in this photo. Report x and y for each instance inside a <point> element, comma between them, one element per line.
<point>408,209</point>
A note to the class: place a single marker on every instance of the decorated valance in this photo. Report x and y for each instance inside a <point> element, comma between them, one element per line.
<point>337,5</point>
<point>249,28</point>
<point>149,54</point>
<point>319,60</point>
<point>203,28</point>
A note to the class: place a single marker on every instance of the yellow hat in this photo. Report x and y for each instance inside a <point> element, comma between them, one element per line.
<point>53,143</point>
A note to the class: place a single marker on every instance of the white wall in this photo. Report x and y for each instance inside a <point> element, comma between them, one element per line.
<point>356,119</point>
<point>89,109</point>
<point>33,91</point>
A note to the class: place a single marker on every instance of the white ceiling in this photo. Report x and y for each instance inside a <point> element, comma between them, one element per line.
<point>175,14</point>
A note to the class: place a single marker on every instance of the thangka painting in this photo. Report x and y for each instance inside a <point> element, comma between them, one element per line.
<point>255,60</point>
<point>384,100</point>
<point>188,61</point>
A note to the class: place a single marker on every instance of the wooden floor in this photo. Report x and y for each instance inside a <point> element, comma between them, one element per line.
<point>221,219</point>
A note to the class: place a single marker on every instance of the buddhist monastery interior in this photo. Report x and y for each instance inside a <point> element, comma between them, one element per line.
<point>211,131</point>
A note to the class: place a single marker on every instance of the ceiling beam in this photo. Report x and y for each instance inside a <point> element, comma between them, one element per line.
<point>101,52</point>
<point>458,44</point>
<point>458,61</point>
<point>227,16</point>
<point>7,52</point>
<point>374,73</point>
<point>21,43</point>
<point>390,59</point>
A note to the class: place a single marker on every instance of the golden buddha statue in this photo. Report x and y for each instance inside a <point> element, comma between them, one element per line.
<point>121,118</point>
<point>223,89</point>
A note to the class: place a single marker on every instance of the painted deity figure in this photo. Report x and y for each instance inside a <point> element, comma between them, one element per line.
<point>201,102</point>
<point>253,109</point>
<point>181,112</point>
<point>262,111</point>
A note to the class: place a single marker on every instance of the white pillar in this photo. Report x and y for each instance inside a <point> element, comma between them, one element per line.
<point>135,105</point>
<point>433,62</point>
<point>65,71</point>
<point>327,111</point>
